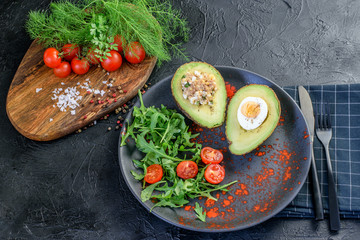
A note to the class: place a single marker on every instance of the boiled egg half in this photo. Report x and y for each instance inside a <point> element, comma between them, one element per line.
<point>252,112</point>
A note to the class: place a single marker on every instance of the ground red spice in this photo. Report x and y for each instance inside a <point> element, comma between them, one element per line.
<point>259,154</point>
<point>287,174</point>
<point>230,90</point>
<point>213,212</point>
<point>187,208</point>
<point>226,203</point>
<point>258,192</point>
<point>209,203</point>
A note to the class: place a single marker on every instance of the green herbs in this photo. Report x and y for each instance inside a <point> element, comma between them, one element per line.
<point>201,215</point>
<point>101,42</point>
<point>163,136</point>
<point>93,23</point>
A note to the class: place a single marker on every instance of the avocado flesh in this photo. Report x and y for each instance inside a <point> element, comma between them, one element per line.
<point>204,115</point>
<point>242,141</point>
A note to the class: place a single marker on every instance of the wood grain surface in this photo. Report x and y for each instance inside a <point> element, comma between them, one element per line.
<point>33,110</point>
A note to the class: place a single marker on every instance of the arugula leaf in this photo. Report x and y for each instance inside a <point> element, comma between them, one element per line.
<point>147,192</point>
<point>137,176</point>
<point>199,212</point>
<point>146,147</point>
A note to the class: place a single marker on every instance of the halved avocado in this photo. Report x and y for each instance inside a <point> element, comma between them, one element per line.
<point>204,115</point>
<point>242,141</point>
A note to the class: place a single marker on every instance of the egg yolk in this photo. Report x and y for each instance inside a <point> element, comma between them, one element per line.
<point>250,109</point>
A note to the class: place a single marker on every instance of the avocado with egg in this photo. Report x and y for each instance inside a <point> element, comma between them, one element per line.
<point>199,91</point>
<point>239,119</point>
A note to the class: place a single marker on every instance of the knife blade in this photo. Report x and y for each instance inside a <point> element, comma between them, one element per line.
<point>307,109</point>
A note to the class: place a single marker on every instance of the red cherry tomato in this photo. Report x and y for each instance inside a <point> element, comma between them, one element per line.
<point>92,58</point>
<point>187,169</point>
<point>80,66</point>
<point>134,53</point>
<point>51,58</point>
<point>214,173</point>
<point>63,70</point>
<point>70,51</point>
<point>154,173</point>
<point>119,41</point>
<point>112,62</point>
<point>210,155</point>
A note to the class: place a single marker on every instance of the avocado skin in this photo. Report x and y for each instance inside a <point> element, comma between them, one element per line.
<point>203,116</point>
<point>247,140</point>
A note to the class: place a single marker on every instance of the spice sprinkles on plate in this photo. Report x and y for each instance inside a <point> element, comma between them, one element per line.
<point>273,167</point>
<point>265,175</point>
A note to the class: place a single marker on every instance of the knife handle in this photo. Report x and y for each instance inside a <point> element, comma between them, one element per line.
<point>317,197</point>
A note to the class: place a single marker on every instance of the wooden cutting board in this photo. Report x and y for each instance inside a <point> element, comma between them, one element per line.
<point>39,103</point>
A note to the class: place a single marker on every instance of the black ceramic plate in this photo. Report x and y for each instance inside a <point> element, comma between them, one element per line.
<point>269,177</point>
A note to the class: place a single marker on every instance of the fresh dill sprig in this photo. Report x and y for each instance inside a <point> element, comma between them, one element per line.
<point>93,24</point>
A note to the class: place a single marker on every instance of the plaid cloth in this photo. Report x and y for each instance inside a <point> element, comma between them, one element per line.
<point>344,103</point>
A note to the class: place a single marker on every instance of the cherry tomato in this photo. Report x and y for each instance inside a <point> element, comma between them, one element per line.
<point>187,169</point>
<point>51,58</point>
<point>112,62</point>
<point>63,70</point>
<point>70,51</point>
<point>119,41</point>
<point>92,58</point>
<point>210,155</point>
<point>154,173</point>
<point>134,53</point>
<point>80,66</point>
<point>214,173</point>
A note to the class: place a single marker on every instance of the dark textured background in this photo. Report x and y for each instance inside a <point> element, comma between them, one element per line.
<point>72,188</point>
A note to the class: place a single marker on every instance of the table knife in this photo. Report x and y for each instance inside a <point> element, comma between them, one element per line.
<point>307,109</point>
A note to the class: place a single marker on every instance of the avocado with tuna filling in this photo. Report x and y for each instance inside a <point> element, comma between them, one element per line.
<point>199,91</point>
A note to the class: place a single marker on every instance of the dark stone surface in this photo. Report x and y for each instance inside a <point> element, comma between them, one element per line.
<point>72,188</point>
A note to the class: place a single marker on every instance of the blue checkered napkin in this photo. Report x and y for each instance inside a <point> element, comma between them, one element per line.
<point>344,152</point>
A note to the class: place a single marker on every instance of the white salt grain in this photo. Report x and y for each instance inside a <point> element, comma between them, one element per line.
<point>38,90</point>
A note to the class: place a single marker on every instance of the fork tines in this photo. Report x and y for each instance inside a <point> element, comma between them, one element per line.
<point>322,115</point>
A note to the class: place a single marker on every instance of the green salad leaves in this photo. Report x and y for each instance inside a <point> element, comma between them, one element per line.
<point>164,137</point>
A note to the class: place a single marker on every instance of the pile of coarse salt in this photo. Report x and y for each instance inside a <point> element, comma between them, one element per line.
<point>69,97</point>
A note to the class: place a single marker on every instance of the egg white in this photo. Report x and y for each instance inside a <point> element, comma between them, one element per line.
<point>252,123</point>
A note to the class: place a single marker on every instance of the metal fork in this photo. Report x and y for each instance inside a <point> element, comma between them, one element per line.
<point>324,134</point>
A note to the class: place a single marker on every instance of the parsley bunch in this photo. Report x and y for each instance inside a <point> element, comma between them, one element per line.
<point>164,137</point>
